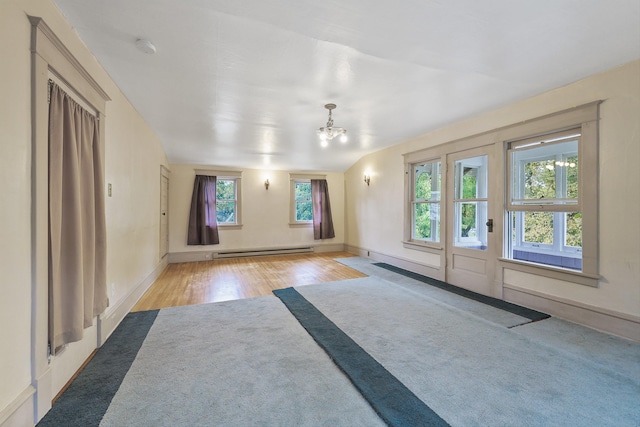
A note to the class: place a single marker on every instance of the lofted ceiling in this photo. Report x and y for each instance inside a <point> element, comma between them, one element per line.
<point>244,83</point>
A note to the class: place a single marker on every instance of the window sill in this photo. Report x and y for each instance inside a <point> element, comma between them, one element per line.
<point>230,226</point>
<point>563,274</point>
<point>300,224</point>
<point>420,246</point>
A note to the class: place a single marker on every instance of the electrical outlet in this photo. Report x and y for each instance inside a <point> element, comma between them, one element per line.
<point>208,255</point>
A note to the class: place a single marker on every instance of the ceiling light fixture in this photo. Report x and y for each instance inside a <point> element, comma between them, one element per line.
<point>145,46</point>
<point>329,132</point>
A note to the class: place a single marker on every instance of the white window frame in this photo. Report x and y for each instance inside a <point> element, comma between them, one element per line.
<point>414,200</point>
<point>585,119</point>
<point>293,179</point>
<point>294,202</point>
<point>551,150</point>
<point>236,177</point>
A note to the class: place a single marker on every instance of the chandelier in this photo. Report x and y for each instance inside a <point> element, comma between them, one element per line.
<point>329,132</point>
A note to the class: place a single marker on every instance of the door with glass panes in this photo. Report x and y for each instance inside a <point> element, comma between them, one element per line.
<point>472,246</point>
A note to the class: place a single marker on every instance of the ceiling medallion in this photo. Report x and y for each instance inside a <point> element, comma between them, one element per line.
<point>329,132</point>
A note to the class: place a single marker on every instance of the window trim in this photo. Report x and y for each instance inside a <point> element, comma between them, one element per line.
<point>229,175</point>
<point>409,240</point>
<point>293,179</point>
<point>585,119</point>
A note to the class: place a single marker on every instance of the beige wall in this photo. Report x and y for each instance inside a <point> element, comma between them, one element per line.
<point>133,156</point>
<point>375,214</point>
<point>265,213</point>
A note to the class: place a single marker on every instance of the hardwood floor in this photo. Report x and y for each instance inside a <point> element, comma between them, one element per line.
<point>236,278</point>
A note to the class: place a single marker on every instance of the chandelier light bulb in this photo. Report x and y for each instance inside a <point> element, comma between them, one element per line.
<point>327,133</point>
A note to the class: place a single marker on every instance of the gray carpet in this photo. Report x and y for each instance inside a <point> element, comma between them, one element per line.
<point>474,372</point>
<point>250,362</point>
<point>235,363</point>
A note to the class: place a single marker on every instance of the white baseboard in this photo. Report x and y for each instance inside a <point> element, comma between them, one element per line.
<point>620,324</point>
<point>19,412</point>
<point>111,318</point>
<point>406,264</point>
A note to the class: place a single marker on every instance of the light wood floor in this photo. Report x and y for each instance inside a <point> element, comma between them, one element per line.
<point>229,279</point>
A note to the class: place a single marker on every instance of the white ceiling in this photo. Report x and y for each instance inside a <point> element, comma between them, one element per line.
<point>243,83</point>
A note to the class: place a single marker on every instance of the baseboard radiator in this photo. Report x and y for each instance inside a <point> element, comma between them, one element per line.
<point>261,252</point>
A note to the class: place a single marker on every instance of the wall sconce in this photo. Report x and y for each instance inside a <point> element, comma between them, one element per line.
<point>367,178</point>
<point>266,183</point>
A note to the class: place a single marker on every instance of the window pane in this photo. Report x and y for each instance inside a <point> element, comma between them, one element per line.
<point>225,189</point>
<point>573,234</point>
<point>540,179</point>
<point>532,238</point>
<point>538,227</point>
<point>302,200</point>
<point>427,181</point>
<point>471,178</point>
<point>470,225</point>
<point>545,173</point>
<point>225,212</point>
<point>426,221</point>
<point>304,211</point>
<point>303,191</point>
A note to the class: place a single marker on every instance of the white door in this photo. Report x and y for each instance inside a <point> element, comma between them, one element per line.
<point>471,246</point>
<point>164,214</point>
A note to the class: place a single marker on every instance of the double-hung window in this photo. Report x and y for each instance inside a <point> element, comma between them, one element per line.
<point>228,196</point>
<point>302,206</point>
<point>425,201</point>
<point>545,216</point>
<point>226,201</point>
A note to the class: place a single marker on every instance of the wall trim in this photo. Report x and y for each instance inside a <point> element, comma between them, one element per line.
<point>407,264</point>
<point>20,411</point>
<point>612,322</point>
<point>111,318</point>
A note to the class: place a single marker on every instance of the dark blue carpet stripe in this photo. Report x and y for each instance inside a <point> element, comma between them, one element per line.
<point>88,397</point>
<point>391,399</point>
<point>528,313</point>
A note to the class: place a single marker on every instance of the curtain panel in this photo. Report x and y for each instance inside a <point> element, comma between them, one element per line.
<point>322,220</point>
<point>77,227</point>
<point>203,226</point>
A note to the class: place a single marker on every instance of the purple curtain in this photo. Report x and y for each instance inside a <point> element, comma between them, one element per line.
<point>203,227</point>
<point>77,227</point>
<point>322,220</point>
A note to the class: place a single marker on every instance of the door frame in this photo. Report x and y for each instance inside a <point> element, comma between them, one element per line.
<point>465,277</point>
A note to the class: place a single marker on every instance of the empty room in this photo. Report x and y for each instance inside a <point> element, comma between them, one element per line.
<point>304,213</point>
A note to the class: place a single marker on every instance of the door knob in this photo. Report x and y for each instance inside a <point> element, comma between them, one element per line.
<point>490,226</point>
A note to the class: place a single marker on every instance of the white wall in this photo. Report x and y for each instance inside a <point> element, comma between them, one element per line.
<point>375,214</point>
<point>15,201</point>
<point>265,213</point>
<point>133,156</point>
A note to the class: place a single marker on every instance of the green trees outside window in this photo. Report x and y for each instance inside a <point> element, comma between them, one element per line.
<point>426,201</point>
<point>226,201</point>
<point>302,197</point>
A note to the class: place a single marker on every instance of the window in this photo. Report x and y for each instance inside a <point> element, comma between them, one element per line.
<point>300,202</point>
<point>302,206</point>
<point>470,203</point>
<point>545,216</point>
<point>425,201</point>
<point>228,196</point>
<point>226,201</point>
